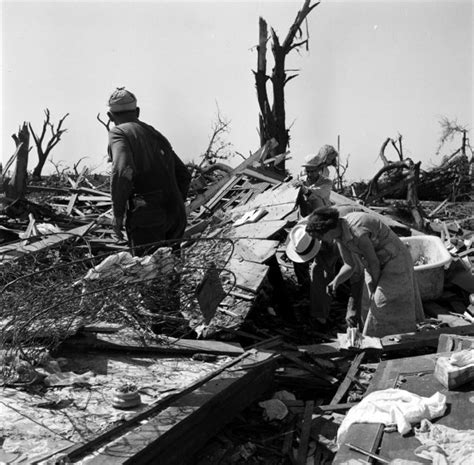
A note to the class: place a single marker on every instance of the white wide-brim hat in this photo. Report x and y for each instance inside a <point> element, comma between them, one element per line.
<point>301,247</point>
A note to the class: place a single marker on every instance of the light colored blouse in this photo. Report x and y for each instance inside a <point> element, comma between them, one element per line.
<point>386,243</point>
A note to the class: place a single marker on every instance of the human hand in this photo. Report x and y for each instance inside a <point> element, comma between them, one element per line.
<point>352,319</point>
<point>331,288</point>
<point>117,225</point>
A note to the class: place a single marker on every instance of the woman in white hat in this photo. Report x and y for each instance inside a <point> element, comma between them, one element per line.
<point>395,303</point>
<point>317,262</point>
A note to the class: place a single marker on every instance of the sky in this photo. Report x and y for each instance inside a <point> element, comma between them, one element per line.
<point>373,70</point>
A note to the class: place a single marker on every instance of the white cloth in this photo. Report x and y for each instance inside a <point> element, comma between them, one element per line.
<point>393,406</point>
<point>125,267</point>
<point>442,444</point>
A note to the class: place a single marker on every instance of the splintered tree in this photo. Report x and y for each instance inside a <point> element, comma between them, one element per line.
<point>55,137</point>
<point>210,167</point>
<point>404,174</point>
<point>272,117</point>
<point>16,186</point>
<point>453,178</point>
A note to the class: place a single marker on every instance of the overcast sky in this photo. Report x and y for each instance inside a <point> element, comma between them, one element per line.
<point>373,70</point>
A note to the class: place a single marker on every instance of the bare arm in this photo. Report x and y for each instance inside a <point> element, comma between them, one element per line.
<point>373,263</point>
<point>347,268</point>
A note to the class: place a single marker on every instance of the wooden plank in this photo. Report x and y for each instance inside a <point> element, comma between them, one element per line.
<point>119,341</point>
<point>367,437</point>
<point>249,275</point>
<point>422,339</point>
<point>298,405</point>
<point>305,433</point>
<point>346,383</point>
<point>261,230</point>
<point>190,421</point>
<point>396,342</point>
<point>255,250</point>
<point>306,366</point>
<point>252,172</point>
<point>287,448</point>
<point>75,196</point>
<point>16,249</point>
<point>282,195</point>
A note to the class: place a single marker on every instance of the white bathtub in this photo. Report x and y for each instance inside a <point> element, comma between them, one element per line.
<point>430,274</point>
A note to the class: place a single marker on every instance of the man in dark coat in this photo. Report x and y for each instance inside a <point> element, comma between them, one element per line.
<point>149,182</point>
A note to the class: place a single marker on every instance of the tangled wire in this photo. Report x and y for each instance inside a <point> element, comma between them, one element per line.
<point>47,296</point>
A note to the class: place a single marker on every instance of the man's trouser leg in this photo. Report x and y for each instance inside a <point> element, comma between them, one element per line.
<point>302,275</point>
<point>322,273</point>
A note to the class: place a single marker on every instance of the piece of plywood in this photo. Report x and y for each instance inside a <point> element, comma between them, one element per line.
<point>261,230</point>
<point>248,275</point>
<point>255,250</point>
<point>284,195</point>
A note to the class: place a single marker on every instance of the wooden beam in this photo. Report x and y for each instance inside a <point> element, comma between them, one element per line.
<point>119,342</point>
<point>305,433</point>
<point>346,383</point>
<point>74,197</point>
<point>306,366</point>
<point>395,342</point>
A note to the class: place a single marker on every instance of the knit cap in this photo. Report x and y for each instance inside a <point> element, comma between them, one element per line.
<point>122,100</point>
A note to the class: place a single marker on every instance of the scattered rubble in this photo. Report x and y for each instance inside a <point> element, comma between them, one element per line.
<point>214,346</point>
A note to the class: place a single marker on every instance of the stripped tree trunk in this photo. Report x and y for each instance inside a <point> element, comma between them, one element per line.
<point>272,118</point>
<point>16,186</point>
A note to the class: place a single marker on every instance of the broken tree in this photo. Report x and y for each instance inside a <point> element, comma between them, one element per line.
<point>272,117</point>
<point>56,134</point>
<point>16,186</point>
<point>405,174</point>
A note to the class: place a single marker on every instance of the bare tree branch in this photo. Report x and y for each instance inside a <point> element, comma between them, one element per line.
<point>52,142</point>
<point>101,121</point>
